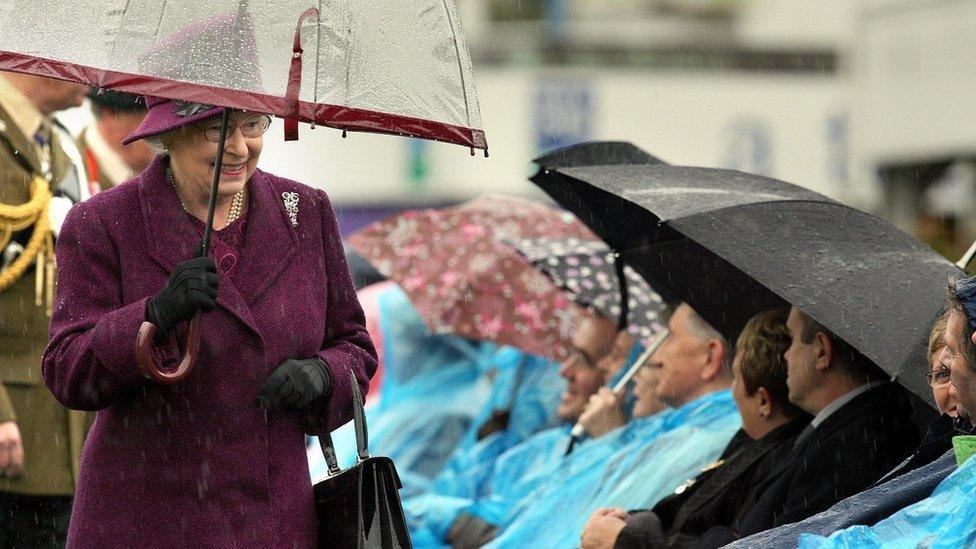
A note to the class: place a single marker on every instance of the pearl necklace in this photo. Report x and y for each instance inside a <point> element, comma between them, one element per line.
<point>236,204</point>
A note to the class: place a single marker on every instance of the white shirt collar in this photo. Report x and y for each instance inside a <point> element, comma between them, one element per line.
<point>840,402</point>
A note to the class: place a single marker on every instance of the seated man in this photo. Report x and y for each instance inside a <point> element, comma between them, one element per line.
<point>693,365</point>
<point>860,430</point>
<point>520,470</point>
<point>715,498</point>
<point>466,477</point>
<point>947,517</point>
<point>910,482</point>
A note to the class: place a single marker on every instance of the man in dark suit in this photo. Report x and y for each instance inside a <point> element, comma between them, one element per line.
<point>913,480</point>
<point>861,428</point>
<point>703,510</point>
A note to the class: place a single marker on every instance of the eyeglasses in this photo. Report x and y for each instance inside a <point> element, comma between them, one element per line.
<point>251,126</point>
<point>938,377</point>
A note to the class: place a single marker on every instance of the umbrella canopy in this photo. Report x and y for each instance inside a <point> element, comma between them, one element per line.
<point>388,66</point>
<point>460,276</point>
<point>597,153</point>
<point>586,268</point>
<point>733,244</point>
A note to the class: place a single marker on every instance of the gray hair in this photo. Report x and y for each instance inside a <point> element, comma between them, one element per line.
<point>156,144</point>
<point>704,332</point>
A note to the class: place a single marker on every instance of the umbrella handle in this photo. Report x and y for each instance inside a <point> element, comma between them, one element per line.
<point>147,364</point>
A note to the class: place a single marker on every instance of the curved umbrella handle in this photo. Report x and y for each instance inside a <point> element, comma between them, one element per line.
<point>147,364</point>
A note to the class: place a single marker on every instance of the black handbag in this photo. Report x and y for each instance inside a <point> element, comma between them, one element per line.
<point>360,507</point>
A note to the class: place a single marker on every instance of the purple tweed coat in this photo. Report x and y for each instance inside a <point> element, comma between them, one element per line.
<point>198,463</point>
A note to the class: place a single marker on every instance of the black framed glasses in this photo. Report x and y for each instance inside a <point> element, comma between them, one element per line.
<point>251,126</point>
<point>938,377</point>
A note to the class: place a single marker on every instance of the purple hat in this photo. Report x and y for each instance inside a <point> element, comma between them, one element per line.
<point>170,114</point>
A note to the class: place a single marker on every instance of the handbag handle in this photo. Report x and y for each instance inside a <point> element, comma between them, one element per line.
<point>359,424</point>
<point>359,420</point>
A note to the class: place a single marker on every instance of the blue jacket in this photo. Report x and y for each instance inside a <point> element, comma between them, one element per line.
<point>644,469</point>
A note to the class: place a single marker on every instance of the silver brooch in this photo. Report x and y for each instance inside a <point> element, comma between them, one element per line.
<point>291,206</point>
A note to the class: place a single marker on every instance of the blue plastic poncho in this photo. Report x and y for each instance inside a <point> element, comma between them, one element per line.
<point>946,519</point>
<point>537,389</point>
<point>432,387</point>
<point>643,470</point>
<point>514,475</point>
<point>431,515</point>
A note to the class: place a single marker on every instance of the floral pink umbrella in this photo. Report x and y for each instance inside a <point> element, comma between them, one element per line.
<point>463,279</point>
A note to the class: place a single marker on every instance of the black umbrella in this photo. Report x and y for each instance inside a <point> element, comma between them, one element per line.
<point>733,244</point>
<point>596,153</point>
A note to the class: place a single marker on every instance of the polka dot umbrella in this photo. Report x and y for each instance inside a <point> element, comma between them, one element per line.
<point>587,269</point>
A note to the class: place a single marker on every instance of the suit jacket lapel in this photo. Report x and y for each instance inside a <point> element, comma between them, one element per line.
<point>60,162</point>
<point>841,417</point>
<point>721,479</point>
<point>737,465</point>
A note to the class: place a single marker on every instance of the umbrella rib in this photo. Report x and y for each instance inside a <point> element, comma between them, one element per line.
<point>118,31</point>
<point>827,202</point>
<point>457,54</point>
<point>318,52</point>
<point>159,22</point>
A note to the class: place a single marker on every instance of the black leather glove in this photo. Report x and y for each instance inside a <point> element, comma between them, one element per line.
<point>192,287</point>
<point>294,384</point>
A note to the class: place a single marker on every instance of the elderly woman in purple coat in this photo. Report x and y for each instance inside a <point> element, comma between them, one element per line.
<point>217,459</point>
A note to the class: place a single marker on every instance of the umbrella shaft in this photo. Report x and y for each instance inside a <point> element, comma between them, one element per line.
<point>215,184</point>
<point>578,429</point>
<point>967,257</point>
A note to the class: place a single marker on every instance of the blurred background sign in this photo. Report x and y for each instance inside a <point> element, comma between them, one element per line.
<point>563,113</point>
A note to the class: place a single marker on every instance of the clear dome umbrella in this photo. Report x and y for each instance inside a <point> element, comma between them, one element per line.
<point>384,66</point>
<point>389,66</point>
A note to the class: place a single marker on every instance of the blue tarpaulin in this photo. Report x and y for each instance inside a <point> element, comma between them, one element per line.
<point>946,519</point>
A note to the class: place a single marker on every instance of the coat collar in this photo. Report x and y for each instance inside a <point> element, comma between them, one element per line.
<point>172,238</point>
<point>741,462</point>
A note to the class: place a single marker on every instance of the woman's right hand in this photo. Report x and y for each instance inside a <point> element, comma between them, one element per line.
<point>192,287</point>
